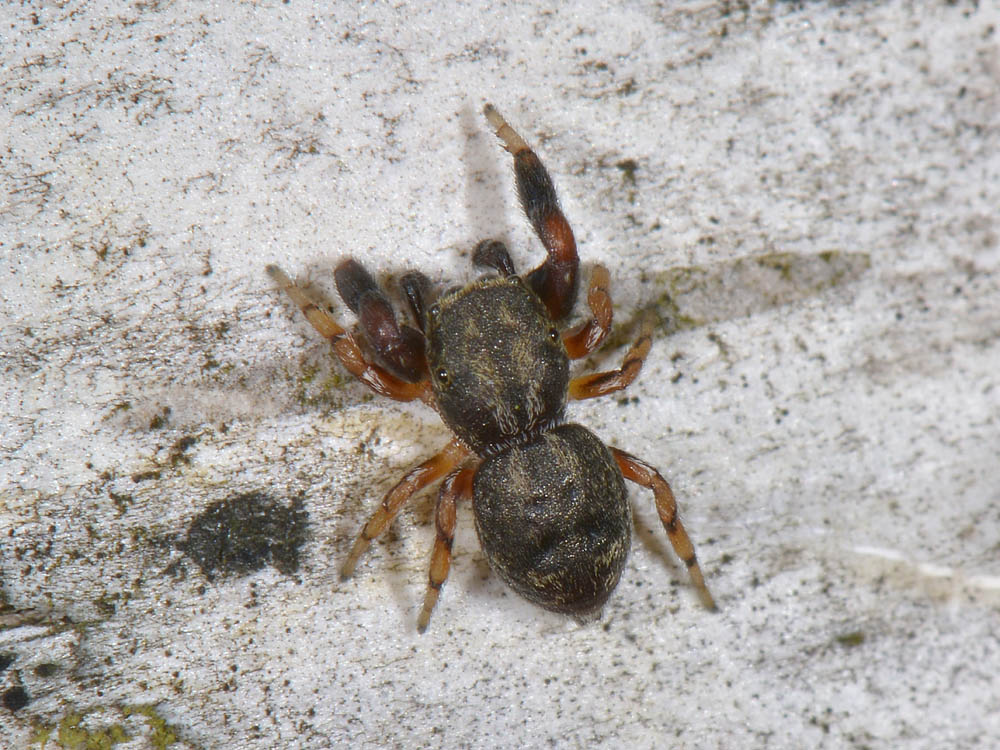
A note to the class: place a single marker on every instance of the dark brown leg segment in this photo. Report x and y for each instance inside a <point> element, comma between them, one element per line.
<point>428,472</point>
<point>585,338</point>
<point>555,280</point>
<point>347,350</point>
<point>666,506</point>
<point>602,383</point>
<point>401,348</point>
<point>417,289</point>
<point>493,254</point>
<point>457,486</point>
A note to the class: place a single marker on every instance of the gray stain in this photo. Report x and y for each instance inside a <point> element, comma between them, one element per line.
<point>245,532</point>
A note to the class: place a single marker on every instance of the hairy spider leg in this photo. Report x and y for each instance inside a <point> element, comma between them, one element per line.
<point>456,486</point>
<point>603,383</point>
<point>493,254</point>
<point>417,288</point>
<point>373,375</point>
<point>666,506</point>
<point>554,281</point>
<point>415,480</point>
<point>401,348</point>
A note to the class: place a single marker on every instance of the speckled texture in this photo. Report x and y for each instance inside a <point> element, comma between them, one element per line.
<point>496,394</point>
<point>553,519</point>
<point>808,194</point>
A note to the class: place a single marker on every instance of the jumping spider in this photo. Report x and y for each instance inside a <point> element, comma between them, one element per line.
<point>549,497</point>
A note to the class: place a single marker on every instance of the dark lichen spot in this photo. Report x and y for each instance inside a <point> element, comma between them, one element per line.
<point>107,604</point>
<point>123,406</point>
<point>46,669</point>
<point>6,660</point>
<point>179,448</point>
<point>628,169</point>
<point>157,422</point>
<point>15,698</point>
<point>850,640</point>
<point>244,533</point>
<point>121,501</point>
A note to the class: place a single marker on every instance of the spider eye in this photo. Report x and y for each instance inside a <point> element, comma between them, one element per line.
<point>553,335</point>
<point>442,375</point>
<point>434,310</point>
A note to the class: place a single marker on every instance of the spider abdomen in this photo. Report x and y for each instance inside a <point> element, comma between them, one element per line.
<point>553,519</point>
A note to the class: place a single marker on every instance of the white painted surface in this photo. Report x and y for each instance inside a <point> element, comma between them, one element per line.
<point>832,440</point>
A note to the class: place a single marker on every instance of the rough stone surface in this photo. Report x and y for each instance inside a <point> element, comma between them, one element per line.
<point>806,192</point>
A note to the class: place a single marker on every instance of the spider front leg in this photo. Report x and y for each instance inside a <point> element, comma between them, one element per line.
<point>373,375</point>
<point>555,280</point>
<point>401,348</point>
<point>415,480</point>
<point>493,254</point>
<point>417,289</point>
<point>603,383</point>
<point>457,486</point>
<point>666,506</point>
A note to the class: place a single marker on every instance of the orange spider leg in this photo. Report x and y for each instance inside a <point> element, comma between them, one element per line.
<point>347,350</point>
<point>415,480</point>
<point>602,383</point>
<point>457,486</point>
<point>589,335</point>
<point>666,506</point>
